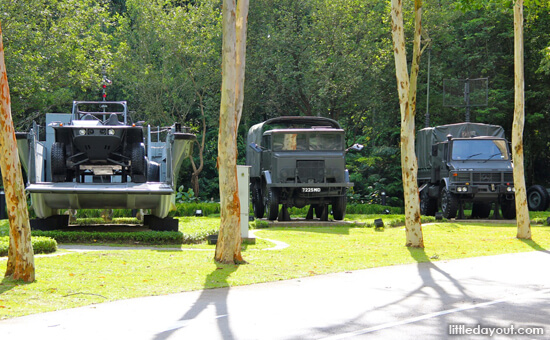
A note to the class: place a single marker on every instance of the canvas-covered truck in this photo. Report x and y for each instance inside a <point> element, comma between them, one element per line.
<point>298,161</point>
<point>465,163</point>
<point>97,158</point>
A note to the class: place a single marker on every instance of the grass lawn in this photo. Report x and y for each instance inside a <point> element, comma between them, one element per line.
<point>69,279</point>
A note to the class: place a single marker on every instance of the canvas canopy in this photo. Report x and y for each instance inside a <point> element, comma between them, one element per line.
<point>256,132</point>
<point>427,137</point>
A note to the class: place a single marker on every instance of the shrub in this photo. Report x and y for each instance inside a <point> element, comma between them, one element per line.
<point>99,220</point>
<point>142,237</point>
<point>188,209</point>
<point>371,209</point>
<point>40,245</point>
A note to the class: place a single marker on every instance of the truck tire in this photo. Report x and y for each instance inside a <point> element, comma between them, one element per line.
<point>339,207</point>
<point>508,208</point>
<point>449,203</point>
<point>537,198</point>
<point>272,204</point>
<point>481,210</point>
<point>138,163</point>
<point>153,172</point>
<point>57,160</point>
<point>257,202</point>
<point>428,206</point>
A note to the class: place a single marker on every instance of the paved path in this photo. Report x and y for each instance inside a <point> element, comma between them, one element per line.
<point>419,301</point>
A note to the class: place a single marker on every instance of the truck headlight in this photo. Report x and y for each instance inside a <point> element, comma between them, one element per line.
<point>82,132</point>
<point>509,189</point>
<point>111,132</point>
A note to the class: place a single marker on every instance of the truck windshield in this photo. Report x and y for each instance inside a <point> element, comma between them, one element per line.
<point>473,149</point>
<point>308,141</point>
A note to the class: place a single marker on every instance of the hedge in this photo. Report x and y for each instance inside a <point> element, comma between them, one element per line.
<point>40,245</point>
<point>140,237</point>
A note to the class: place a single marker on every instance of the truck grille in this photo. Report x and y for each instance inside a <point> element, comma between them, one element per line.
<point>310,171</point>
<point>485,177</point>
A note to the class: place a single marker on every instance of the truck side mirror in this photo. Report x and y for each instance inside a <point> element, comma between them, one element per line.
<point>255,147</point>
<point>355,147</point>
<point>434,150</point>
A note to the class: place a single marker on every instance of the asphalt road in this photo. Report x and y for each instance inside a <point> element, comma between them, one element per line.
<point>420,301</point>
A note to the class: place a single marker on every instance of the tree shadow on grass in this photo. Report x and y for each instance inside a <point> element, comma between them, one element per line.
<point>209,297</point>
<point>533,244</point>
<point>8,284</point>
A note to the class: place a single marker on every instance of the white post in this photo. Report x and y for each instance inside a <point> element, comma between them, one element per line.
<point>243,181</point>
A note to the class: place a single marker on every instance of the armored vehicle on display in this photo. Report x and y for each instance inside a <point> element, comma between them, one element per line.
<point>97,158</point>
<point>298,161</point>
<point>465,162</point>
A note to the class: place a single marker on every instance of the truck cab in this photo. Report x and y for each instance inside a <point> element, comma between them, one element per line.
<point>298,161</point>
<point>472,163</point>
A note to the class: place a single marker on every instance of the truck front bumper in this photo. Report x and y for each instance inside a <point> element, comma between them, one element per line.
<point>481,189</point>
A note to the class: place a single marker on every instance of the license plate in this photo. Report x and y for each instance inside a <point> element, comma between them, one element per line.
<point>311,189</point>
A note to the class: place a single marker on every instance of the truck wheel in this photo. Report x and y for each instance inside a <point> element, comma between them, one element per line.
<point>153,172</point>
<point>537,198</point>
<point>57,159</point>
<point>138,163</point>
<point>257,203</point>
<point>428,206</point>
<point>339,207</point>
<point>481,210</point>
<point>449,203</point>
<point>508,208</point>
<point>272,204</point>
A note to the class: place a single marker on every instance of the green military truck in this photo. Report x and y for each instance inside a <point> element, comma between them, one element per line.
<point>465,162</point>
<point>298,161</point>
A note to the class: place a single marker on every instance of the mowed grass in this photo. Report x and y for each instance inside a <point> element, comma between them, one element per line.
<point>68,279</point>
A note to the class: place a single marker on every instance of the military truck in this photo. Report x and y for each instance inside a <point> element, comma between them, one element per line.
<point>97,158</point>
<point>465,162</point>
<point>298,161</point>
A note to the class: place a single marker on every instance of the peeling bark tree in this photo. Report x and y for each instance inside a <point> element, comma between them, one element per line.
<point>20,253</point>
<point>522,211</point>
<point>228,247</point>
<point>407,103</point>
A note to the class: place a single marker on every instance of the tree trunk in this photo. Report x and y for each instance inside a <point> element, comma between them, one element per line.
<point>228,247</point>
<point>197,171</point>
<point>522,211</point>
<point>407,103</point>
<point>20,253</point>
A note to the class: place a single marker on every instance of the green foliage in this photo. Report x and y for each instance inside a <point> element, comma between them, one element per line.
<point>40,245</point>
<point>189,209</point>
<point>138,237</point>
<point>54,53</point>
<point>100,220</point>
<point>192,230</point>
<point>186,196</point>
<point>371,209</point>
<point>259,224</point>
<point>304,57</point>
